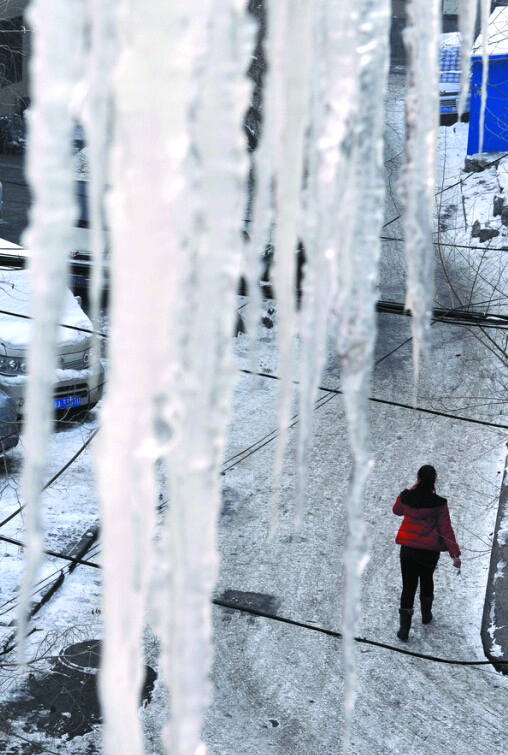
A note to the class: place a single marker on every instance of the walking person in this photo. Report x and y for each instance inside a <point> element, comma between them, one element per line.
<point>426,530</point>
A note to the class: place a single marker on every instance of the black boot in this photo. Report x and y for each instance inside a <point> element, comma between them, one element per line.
<point>426,604</point>
<point>406,615</point>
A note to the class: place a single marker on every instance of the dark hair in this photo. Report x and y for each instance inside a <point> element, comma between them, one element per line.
<point>427,478</point>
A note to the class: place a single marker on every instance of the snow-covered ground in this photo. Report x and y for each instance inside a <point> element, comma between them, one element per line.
<point>278,688</point>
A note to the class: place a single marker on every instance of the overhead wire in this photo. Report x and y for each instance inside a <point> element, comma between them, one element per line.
<point>301,624</point>
<point>37,588</point>
<point>452,186</point>
<point>338,392</point>
<point>454,316</point>
<point>337,635</point>
<point>55,554</point>
<point>56,476</point>
<point>452,245</point>
<point>61,325</point>
<point>393,307</point>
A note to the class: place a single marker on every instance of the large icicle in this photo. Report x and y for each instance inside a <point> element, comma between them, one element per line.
<point>290,55</point>
<point>326,220</point>
<point>204,384</point>
<point>150,145</point>
<point>206,374</point>
<point>345,172</point>
<point>356,299</point>
<point>421,38</point>
<point>179,179</point>
<point>49,237</point>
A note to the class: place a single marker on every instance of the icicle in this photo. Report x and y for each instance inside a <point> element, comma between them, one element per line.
<point>485,11</point>
<point>97,114</point>
<point>333,105</point>
<point>357,295</point>
<point>179,183</point>
<point>206,378</point>
<point>150,138</point>
<point>262,211</point>
<point>49,237</point>
<point>467,18</point>
<point>349,85</point>
<point>290,55</point>
<point>421,38</point>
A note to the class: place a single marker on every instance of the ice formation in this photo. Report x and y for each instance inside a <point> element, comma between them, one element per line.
<point>421,37</point>
<point>290,52</point>
<point>53,215</point>
<point>94,109</point>
<point>178,177</point>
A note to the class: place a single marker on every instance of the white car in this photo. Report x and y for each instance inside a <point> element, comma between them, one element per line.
<point>79,379</point>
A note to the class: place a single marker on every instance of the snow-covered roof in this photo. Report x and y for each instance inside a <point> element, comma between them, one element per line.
<point>497,35</point>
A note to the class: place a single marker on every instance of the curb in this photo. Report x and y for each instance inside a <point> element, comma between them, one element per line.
<point>494,631</point>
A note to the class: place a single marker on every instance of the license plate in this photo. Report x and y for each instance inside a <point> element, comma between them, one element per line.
<point>446,108</point>
<point>78,280</point>
<point>67,402</point>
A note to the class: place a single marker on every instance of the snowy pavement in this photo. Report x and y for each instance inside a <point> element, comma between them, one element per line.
<point>279,688</point>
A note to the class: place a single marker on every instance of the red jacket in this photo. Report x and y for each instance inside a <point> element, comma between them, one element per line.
<point>426,522</point>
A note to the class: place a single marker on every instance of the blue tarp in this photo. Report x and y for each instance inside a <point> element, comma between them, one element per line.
<point>495,132</point>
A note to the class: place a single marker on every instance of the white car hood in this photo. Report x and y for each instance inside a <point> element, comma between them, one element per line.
<point>16,298</point>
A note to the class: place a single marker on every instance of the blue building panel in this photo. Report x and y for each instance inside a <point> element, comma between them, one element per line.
<point>495,132</point>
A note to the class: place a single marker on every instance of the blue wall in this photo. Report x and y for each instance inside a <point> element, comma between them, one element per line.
<point>495,134</point>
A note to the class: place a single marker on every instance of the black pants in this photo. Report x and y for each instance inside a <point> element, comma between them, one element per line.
<point>417,564</point>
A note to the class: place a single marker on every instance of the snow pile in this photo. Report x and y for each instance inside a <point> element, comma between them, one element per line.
<point>16,298</point>
<point>469,205</point>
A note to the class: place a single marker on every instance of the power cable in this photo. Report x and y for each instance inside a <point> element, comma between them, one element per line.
<point>339,636</point>
<point>250,450</point>
<point>336,391</point>
<point>242,455</point>
<point>52,553</point>
<point>5,181</point>
<point>452,186</point>
<point>56,476</point>
<point>37,587</point>
<point>453,246</point>
<point>456,316</point>
<point>61,325</point>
